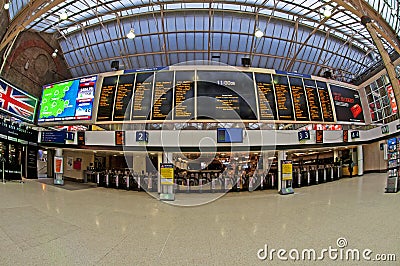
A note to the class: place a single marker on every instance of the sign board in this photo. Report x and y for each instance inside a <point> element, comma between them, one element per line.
<point>119,138</point>
<point>345,135</point>
<point>304,134</point>
<point>287,170</point>
<point>167,173</point>
<point>319,136</point>
<point>142,136</point>
<point>355,134</point>
<point>81,138</point>
<point>385,129</point>
<point>58,165</point>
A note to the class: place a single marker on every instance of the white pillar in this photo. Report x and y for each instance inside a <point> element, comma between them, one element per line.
<point>360,158</point>
<point>281,157</point>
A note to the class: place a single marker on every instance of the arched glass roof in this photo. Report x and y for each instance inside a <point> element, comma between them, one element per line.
<point>297,36</point>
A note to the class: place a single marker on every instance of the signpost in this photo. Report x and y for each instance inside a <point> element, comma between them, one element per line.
<point>287,178</point>
<point>167,181</point>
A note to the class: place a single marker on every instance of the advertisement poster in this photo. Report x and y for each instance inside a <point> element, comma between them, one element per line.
<point>167,174</point>
<point>287,170</point>
<point>347,104</point>
<point>392,99</point>
<point>58,165</point>
<point>70,163</point>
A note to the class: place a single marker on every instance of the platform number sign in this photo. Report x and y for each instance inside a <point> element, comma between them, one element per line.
<point>385,129</point>
<point>355,134</point>
<point>304,134</point>
<point>142,136</point>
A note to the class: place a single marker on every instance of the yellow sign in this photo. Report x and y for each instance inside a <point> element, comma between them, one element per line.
<point>167,175</point>
<point>287,170</point>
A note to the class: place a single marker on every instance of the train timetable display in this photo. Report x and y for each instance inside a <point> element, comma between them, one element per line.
<point>184,95</point>
<point>347,104</point>
<point>162,102</point>
<point>299,99</point>
<point>283,97</point>
<point>122,105</point>
<point>142,96</point>
<point>225,95</point>
<point>106,101</point>
<point>69,100</point>
<point>314,105</point>
<point>326,104</point>
<point>266,96</point>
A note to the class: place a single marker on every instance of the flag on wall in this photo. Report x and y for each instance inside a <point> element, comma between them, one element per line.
<point>17,102</point>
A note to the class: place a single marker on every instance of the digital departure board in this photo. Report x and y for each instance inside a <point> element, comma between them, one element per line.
<point>266,96</point>
<point>122,105</point>
<point>283,97</point>
<point>225,95</point>
<point>184,95</point>
<point>299,99</point>
<point>163,93</point>
<point>347,104</point>
<point>106,101</point>
<point>325,99</point>
<point>314,105</point>
<point>142,96</point>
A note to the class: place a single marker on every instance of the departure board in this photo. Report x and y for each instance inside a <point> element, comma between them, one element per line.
<point>122,105</point>
<point>326,105</point>
<point>266,96</point>
<point>283,97</point>
<point>299,99</point>
<point>184,95</point>
<point>314,105</point>
<point>347,104</point>
<point>163,93</point>
<point>225,95</point>
<point>106,101</point>
<point>142,96</point>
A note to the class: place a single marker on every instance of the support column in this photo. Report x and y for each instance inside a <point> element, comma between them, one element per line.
<point>281,157</point>
<point>360,160</point>
<point>390,69</point>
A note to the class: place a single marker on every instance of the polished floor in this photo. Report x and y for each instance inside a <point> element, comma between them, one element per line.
<point>47,225</point>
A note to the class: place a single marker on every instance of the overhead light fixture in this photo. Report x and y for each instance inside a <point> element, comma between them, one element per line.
<point>7,6</point>
<point>54,54</point>
<point>258,33</point>
<point>327,12</point>
<point>64,15</point>
<point>131,34</point>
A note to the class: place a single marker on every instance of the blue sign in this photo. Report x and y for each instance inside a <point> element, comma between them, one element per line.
<point>385,129</point>
<point>53,137</point>
<point>142,136</point>
<point>304,134</point>
<point>145,69</point>
<point>355,134</point>
<point>293,74</point>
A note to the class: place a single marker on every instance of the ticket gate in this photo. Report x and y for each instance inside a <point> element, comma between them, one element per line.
<point>313,176</point>
<point>321,175</point>
<point>296,178</point>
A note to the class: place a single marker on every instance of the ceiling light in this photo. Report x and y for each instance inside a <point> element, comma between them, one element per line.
<point>64,15</point>
<point>258,33</point>
<point>7,5</point>
<point>327,12</point>
<point>131,34</point>
<point>54,54</point>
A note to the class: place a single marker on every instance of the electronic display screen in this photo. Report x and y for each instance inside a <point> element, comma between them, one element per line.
<point>163,94</point>
<point>299,99</point>
<point>283,97</point>
<point>69,100</point>
<point>225,95</point>
<point>142,96</point>
<point>122,103</point>
<point>106,101</point>
<point>266,96</point>
<point>184,95</point>
<point>347,104</point>
<point>230,135</point>
<point>314,105</point>
<point>325,100</point>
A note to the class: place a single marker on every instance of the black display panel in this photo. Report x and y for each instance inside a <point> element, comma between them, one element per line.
<point>266,96</point>
<point>122,105</point>
<point>225,95</point>
<point>283,98</point>
<point>184,95</point>
<point>163,93</point>
<point>314,105</point>
<point>142,96</point>
<point>106,101</point>
<point>347,104</point>
<point>299,99</point>
<point>325,99</point>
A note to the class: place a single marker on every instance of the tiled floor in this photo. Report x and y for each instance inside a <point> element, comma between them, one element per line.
<point>46,225</point>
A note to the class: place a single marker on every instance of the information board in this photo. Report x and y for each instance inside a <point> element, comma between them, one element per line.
<point>266,96</point>
<point>167,173</point>
<point>347,104</point>
<point>142,96</point>
<point>184,95</point>
<point>314,105</point>
<point>225,95</point>
<point>299,99</point>
<point>119,138</point>
<point>53,137</point>
<point>283,98</point>
<point>325,100</point>
<point>69,100</point>
<point>319,136</point>
<point>106,101</point>
<point>163,94</point>
<point>287,170</point>
<point>229,135</point>
<point>122,105</point>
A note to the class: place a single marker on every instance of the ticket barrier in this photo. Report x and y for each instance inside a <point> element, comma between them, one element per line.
<point>296,178</point>
<point>313,176</point>
<point>321,176</point>
<point>329,173</point>
<point>337,172</point>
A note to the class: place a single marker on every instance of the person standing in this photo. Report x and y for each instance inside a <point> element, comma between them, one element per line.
<point>351,164</point>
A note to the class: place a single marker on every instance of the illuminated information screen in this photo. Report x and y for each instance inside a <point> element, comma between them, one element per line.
<point>314,105</point>
<point>347,104</point>
<point>266,96</point>
<point>123,97</point>
<point>162,102</point>
<point>325,99</point>
<point>106,101</point>
<point>283,98</point>
<point>142,96</point>
<point>225,95</point>
<point>299,99</point>
<point>184,95</point>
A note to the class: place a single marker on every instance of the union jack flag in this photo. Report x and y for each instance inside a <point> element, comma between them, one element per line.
<point>17,102</point>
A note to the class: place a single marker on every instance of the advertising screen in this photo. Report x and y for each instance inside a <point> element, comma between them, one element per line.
<point>69,100</point>
<point>229,135</point>
<point>347,104</point>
